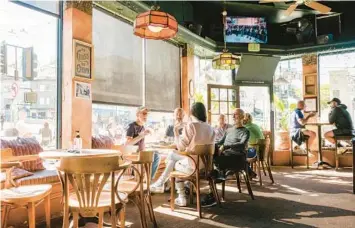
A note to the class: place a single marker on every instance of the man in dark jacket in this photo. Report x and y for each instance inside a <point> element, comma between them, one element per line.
<point>340,117</point>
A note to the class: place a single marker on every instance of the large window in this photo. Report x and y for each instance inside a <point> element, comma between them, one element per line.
<point>337,79</point>
<point>28,103</point>
<point>130,72</point>
<point>113,120</point>
<point>287,91</point>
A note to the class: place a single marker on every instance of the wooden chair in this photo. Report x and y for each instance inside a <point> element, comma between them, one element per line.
<point>87,177</point>
<point>204,154</point>
<point>262,158</point>
<point>336,154</point>
<point>138,187</point>
<point>14,196</point>
<point>293,154</point>
<point>237,166</point>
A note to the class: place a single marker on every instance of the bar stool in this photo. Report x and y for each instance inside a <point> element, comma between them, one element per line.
<point>336,155</point>
<point>293,154</point>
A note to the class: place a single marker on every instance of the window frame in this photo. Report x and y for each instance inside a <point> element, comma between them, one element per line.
<point>59,45</point>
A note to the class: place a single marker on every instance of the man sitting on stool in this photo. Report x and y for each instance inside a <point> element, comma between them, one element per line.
<point>298,121</point>
<point>340,117</point>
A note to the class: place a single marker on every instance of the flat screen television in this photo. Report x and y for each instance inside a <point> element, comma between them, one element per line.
<point>246,30</point>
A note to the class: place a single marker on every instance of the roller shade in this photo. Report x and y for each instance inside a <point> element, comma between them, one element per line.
<point>118,62</point>
<point>162,75</point>
<point>257,68</point>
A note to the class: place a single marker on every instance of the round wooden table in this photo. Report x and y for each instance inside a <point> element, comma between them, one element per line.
<point>58,154</point>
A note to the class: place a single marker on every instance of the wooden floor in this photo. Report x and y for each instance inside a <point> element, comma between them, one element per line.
<point>299,198</point>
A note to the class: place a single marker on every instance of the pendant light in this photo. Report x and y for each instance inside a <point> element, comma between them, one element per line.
<point>155,24</point>
<point>226,60</point>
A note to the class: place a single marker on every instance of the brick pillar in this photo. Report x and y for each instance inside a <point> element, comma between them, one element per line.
<point>76,112</point>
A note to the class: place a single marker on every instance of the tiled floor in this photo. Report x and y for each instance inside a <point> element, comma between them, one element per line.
<point>299,198</point>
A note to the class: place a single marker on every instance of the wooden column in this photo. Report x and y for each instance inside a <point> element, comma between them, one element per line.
<point>187,74</point>
<point>310,85</point>
<point>76,112</point>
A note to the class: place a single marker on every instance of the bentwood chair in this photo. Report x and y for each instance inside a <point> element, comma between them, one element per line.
<point>236,165</point>
<point>204,154</point>
<point>87,176</point>
<point>14,196</point>
<point>262,158</point>
<point>137,186</point>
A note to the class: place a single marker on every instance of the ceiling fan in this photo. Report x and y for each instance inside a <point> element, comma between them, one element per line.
<point>310,3</point>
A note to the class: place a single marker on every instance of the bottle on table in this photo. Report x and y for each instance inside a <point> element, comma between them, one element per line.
<point>78,143</point>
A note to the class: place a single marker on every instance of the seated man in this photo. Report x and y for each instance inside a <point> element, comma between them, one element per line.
<point>340,117</point>
<point>298,121</point>
<point>178,121</point>
<point>136,133</point>
<point>233,144</point>
<point>255,135</point>
<point>222,127</point>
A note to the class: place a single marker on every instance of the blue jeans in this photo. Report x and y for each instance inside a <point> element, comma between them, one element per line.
<point>251,154</point>
<point>155,165</point>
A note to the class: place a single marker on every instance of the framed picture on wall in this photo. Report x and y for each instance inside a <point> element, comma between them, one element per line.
<point>82,90</point>
<point>310,104</point>
<point>83,58</point>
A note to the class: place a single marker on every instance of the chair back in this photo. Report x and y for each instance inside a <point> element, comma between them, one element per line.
<point>88,176</point>
<point>204,152</point>
<point>261,148</point>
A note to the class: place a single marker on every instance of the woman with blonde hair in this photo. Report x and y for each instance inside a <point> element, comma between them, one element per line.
<point>255,135</point>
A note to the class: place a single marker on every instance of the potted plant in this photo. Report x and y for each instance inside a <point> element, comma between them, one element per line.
<point>282,135</point>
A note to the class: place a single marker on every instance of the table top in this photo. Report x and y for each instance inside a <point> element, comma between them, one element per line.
<point>24,194</point>
<point>58,154</point>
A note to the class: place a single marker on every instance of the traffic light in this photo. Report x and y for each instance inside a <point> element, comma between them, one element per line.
<point>30,64</point>
<point>3,59</point>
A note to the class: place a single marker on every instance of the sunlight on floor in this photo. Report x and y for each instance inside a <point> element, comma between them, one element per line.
<point>297,190</point>
<point>178,212</point>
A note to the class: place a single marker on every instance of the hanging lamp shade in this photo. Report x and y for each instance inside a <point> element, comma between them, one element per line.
<point>155,25</point>
<point>226,61</point>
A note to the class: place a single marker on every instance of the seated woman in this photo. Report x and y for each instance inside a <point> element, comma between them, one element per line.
<point>255,135</point>
<point>195,132</point>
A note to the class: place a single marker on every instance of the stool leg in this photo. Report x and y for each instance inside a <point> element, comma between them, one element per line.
<point>336,155</point>
<point>172,193</point>
<point>47,209</point>
<point>31,210</point>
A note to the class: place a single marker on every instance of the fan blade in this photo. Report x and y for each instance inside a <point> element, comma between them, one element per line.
<point>272,1</point>
<point>290,9</point>
<point>319,7</point>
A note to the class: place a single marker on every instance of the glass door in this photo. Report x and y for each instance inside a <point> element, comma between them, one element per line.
<point>256,101</point>
<point>222,99</point>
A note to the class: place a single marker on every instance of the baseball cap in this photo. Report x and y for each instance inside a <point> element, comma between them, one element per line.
<point>142,108</point>
<point>335,100</point>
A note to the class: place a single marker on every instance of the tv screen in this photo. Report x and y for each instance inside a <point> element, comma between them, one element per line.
<point>246,30</point>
